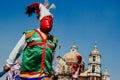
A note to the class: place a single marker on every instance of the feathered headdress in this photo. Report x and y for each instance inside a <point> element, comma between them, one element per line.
<point>40,9</point>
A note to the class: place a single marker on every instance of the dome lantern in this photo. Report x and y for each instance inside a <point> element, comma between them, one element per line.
<point>74,48</point>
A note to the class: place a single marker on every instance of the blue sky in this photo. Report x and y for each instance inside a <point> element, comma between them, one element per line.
<point>76,22</point>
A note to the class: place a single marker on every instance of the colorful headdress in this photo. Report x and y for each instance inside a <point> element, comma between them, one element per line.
<point>41,10</point>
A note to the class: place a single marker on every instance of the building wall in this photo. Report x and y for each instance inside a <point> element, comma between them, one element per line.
<point>82,78</point>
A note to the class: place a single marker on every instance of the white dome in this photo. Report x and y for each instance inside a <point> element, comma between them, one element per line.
<point>106,73</point>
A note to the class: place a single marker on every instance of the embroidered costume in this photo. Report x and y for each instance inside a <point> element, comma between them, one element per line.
<point>38,54</point>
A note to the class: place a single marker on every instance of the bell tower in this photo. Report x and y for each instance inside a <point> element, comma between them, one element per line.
<point>94,64</point>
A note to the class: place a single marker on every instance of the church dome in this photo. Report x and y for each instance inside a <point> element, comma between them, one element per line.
<point>95,51</point>
<point>73,55</point>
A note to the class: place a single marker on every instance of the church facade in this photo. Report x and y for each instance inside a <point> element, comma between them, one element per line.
<point>69,64</point>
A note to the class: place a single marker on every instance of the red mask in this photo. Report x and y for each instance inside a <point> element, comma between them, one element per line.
<point>46,24</point>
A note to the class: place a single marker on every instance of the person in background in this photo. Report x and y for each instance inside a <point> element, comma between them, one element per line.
<point>37,46</point>
<point>76,68</point>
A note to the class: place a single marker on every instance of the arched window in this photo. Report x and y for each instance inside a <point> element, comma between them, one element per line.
<point>94,58</point>
<point>93,68</point>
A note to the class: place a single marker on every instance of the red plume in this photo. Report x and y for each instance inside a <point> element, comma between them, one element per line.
<point>79,58</point>
<point>33,8</point>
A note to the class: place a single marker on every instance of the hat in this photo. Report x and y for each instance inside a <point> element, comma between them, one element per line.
<point>41,10</point>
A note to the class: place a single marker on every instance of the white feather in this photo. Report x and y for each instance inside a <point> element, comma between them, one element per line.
<point>52,6</point>
<point>46,3</point>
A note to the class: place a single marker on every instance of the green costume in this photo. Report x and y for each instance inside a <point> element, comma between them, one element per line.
<point>38,54</point>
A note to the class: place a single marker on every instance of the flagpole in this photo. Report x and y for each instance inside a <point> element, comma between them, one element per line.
<point>59,50</point>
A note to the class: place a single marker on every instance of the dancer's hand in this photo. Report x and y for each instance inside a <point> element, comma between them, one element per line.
<point>6,68</point>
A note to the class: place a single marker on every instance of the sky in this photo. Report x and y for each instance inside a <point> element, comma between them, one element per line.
<point>76,22</point>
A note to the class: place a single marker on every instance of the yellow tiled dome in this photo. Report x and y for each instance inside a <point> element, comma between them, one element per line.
<point>73,55</point>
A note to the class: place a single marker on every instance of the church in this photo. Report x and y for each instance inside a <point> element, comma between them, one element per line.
<point>69,67</point>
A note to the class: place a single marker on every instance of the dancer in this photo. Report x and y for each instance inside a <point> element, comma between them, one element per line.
<point>37,46</point>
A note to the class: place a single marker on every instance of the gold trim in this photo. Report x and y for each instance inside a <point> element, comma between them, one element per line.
<point>33,75</point>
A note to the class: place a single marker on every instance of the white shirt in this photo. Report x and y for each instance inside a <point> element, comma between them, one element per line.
<point>17,51</point>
